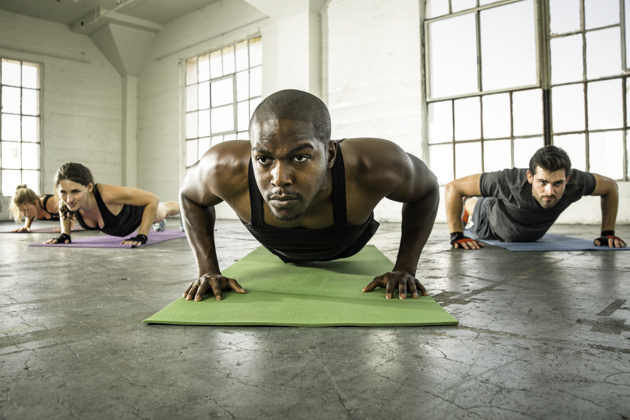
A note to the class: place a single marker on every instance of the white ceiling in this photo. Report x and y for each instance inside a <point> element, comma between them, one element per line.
<point>70,11</point>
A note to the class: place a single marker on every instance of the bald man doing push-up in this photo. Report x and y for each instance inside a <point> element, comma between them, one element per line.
<point>306,197</point>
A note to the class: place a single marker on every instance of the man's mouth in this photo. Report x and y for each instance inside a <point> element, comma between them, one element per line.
<point>282,200</point>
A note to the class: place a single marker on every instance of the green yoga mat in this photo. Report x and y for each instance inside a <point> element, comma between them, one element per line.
<point>317,294</point>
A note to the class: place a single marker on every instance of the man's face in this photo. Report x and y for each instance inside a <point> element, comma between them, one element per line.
<point>547,187</point>
<point>290,165</point>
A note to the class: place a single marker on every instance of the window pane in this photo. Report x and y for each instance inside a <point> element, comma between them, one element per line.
<point>11,157</point>
<point>11,73</point>
<point>242,61</point>
<point>459,5</point>
<point>566,59</point>
<point>10,127</point>
<point>599,13</point>
<point>253,104</point>
<point>30,156</point>
<point>191,71</point>
<point>229,137</point>
<point>30,75</point>
<point>575,146</point>
<point>255,51</point>
<point>204,123</point>
<point>606,153</point>
<point>436,8</point>
<point>204,67</point>
<point>524,149</point>
<point>603,53</point>
<point>467,159</point>
<point>243,135</point>
<point>31,178</point>
<point>30,102</point>
<point>204,145</point>
<point>567,106</point>
<point>204,95</point>
<point>496,115</point>
<point>11,100</point>
<point>467,119</point>
<point>223,119</point>
<point>30,129</point>
<point>216,66</point>
<point>191,125</point>
<point>228,60</point>
<point>191,98</point>
<point>453,56</point>
<point>10,181</point>
<point>441,159</point>
<point>528,112</point>
<point>565,16</point>
<point>217,140</point>
<point>255,82</point>
<point>242,86</point>
<point>497,155</point>
<point>222,92</point>
<point>508,46</point>
<point>484,2</point>
<point>605,104</point>
<point>440,122</point>
<point>191,152</point>
<point>243,116</point>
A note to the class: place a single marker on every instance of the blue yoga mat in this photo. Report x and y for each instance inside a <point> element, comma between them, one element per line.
<point>549,242</point>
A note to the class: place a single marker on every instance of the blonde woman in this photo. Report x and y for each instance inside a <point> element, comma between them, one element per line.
<point>26,204</point>
<point>114,210</point>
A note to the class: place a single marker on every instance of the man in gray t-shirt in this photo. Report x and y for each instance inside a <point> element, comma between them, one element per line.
<point>520,205</point>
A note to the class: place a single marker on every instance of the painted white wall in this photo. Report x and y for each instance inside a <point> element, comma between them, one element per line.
<point>81,97</point>
<point>372,75</point>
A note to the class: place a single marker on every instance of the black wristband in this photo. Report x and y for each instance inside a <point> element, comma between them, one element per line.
<point>140,238</point>
<point>61,239</point>
<point>608,233</point>
<point>456,236</point>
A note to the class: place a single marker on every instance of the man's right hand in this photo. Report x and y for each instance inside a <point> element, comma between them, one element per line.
<point>458,240</point>
<point>217,283</point>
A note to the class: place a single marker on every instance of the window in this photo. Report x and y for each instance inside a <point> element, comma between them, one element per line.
<point>499,86</point>
<point>19,125</point>
<point>223,87</point>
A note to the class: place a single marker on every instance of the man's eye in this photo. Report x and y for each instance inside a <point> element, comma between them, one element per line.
<point>300,158</point>
<point>263,160</point>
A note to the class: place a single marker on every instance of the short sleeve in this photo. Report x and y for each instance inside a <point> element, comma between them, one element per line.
<point>584,181</point>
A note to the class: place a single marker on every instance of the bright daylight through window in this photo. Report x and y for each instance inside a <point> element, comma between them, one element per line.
<point>223,87</point>
<point>499,85</point>
<point>19,125</point>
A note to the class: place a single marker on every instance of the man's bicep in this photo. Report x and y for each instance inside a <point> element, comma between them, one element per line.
<point>198,185</point>
<point>416,181</point>
<point>468,186</point>
<point>603,185</point>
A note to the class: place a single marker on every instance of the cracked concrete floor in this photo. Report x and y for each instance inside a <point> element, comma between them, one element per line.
<point>541,336</point>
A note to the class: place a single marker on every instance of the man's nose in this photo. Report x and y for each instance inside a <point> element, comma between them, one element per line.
<point>280,175</point>
<point>549,189</point>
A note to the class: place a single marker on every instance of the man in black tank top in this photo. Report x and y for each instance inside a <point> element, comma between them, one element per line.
<point>306,197</point>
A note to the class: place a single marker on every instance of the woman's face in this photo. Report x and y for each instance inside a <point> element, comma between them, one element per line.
<point>73,194</point>
<point>28,210</point>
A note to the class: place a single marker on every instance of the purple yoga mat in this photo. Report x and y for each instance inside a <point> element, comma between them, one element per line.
<point>106,241</point>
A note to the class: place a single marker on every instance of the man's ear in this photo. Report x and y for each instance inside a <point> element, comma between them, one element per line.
<point>331,153</point>
<point>530,177</point>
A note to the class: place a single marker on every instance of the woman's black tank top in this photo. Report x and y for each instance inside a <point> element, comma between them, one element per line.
<point>296,245</point>
<point>123,224</point>
<point>53,216</point>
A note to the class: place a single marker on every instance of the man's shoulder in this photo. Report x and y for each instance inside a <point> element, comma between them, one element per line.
<point>225,166</point>
<point>368,153</point>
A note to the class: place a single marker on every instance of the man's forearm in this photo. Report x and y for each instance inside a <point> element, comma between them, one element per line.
<point>609,205</point>
<point>453,201</point>
<point>417,223</point>
<point>199,225</point>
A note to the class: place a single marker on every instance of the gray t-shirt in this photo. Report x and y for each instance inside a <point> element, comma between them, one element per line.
<point>515,216</point>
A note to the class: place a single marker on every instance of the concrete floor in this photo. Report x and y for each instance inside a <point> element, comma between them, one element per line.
<point>541,336</point>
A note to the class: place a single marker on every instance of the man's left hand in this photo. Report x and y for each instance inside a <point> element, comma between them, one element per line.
<point>609,239</point>
<point>397,280</point>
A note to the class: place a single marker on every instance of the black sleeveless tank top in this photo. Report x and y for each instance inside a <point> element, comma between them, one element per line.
<point>123,224</point>
<point>53,216</point>
<point>296,245</point>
